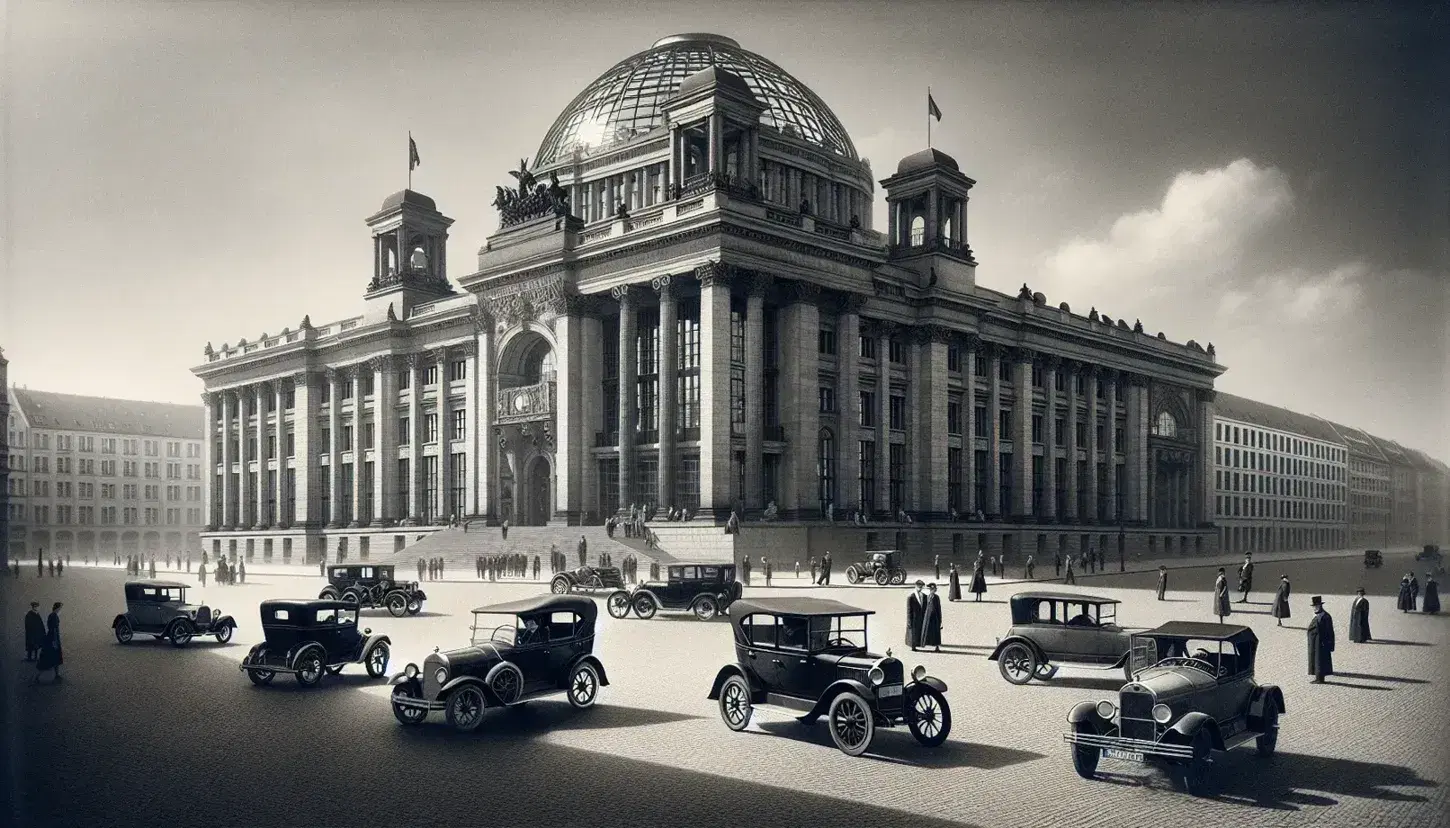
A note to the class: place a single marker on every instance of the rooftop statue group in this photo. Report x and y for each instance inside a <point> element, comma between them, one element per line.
<point>531,199</point>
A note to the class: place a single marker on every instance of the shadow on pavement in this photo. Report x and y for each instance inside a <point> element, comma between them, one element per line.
<point>535,718</point>
<point>1393,642</point>
<point>898,746</point>
<point>1292,779</point>
<point>1330,682</point>
<point>1396,679</point>
<point>1087,682</point>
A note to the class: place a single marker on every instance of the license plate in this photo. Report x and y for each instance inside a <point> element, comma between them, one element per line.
<point>893,690</point>
<point>1125,755</point>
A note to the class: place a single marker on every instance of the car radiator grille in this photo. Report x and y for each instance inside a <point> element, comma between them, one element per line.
<point>431,687</point>
<point>894,670</point>
<point>1137,716</point>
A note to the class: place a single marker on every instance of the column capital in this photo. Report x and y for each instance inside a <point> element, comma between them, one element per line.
<point>1050,362</point>
<point>852,303</point>
<point>210,397</point>
<point>806,293</point>
<point>1135,380</point>
<point>483,321</point>
<point>663,285</point>
<point>1022,356</point>
<point>1204,395</point>
<point>332,373</point>
<point>711,273</point>
<point>302,379</point>
<point>992,350</point>
<point>927,334</point>
<point>413,361</point>
<point>625,294</point>
<point>584,304</point>
<point>439,355</point>
<point>759,284</point>
<point>380,363</point>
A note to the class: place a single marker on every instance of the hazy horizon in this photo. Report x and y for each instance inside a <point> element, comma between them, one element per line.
<point>1268,178</point>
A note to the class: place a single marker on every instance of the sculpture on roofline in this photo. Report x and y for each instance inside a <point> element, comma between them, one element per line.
<point>531,199</point>
<point>1025,292</point>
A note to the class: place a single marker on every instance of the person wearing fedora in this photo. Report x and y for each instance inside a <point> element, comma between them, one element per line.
<point>1321,642</point>
<point>34,632</point>
<point>1220,596</point>
<point>915,605</point>
<point>1359,618</point>
<point>1162,582</point>
<point>1281,600</point>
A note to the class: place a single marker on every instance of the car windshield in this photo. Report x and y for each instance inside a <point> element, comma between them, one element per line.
<point>517,631</point>
<point>1216,658</point>
<point>840,632</point>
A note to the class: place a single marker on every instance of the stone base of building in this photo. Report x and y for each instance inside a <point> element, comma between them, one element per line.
<point>311,545</point>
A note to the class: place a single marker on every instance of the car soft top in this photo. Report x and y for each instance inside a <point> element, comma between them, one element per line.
<point>585,607</point>
<point>159,584</point>
<point>306,603</point>
<point>1074,597</point>
<point>795,606</point>
<point>1206,630</point>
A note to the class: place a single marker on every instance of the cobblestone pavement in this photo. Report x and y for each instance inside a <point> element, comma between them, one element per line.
<point>1364,750</point>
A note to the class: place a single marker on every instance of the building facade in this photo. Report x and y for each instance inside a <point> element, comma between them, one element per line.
<point>5,439</point>
<point>1281,479</point>
<point>694,312</point>
<point>1369,489</point>
<point>93,476</point>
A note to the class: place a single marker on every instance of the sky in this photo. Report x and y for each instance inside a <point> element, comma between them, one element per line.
<point>1268,178</point>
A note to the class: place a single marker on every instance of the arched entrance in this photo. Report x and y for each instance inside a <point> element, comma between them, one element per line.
<point>536,493</point>
<point>524,427</point>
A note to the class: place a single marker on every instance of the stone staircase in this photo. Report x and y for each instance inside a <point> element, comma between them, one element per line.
<point>459,549</point>
<point>692,543</point>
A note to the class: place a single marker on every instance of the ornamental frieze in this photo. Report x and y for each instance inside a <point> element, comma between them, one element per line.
<point>527,301</point>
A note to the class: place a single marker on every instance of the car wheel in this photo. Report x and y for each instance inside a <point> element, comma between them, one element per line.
<point>377,660</point>
<point>1267,741</point>
<point>583,686</point>
<point>618,604</point>
<point>124,632</point>
<point>310,669</point>
<point>407,714</point>
<point>898,577</point>
<point>705,608</point>
<point>735,705</point>
<point>179,634</point>
<point>644,607</point>
<point>414,606</point>
<point>1017,663</point>
<point>353,596</point>
<point>507,684</point>
<point>852,727</point>
<point>882,577</point>
<point>261,678</point>
<point>1085,758</point>
<point>464,708</point>
<point>1195,771</point>
<point>224,634</point>
<point>559,586</point>
<point>853,575</point>
<point>928,716</point>
<point>397,604</point>
<point>328,594</point>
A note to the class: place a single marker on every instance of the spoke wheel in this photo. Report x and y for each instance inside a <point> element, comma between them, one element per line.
<point>898,577</point>
<point>310,669</point>
<point>1017,663</point>
<point>1268,741</point>
<point>852,727</point>
<point>559,586</point>
<point>618,604</point>
<point>644,607</point>
<point>377,660</point>
<point>407,714</point>
<point>179,635</point>
<point>224,635</point>
<point>261,678</point>
<point>1084,758</point>
<point>507,684</point>
<point>328,594</point>
<point>124,633</point>
<point>705,608</point>
<point>882,577</point>
<point>583,686</point>
<point>853,576</point>
<point>735,706</point>
<point>464,710</point>
<point>397,604</point>
<point>928,716</point>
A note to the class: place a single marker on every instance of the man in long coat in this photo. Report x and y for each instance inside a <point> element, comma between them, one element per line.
<point>51,656</point>
<point>979,578</point>
<point>1431,604</point>
<point>914,607</point>
<point>34,631</point>
<point>1068,578</point>
<point>1027,568</point>
<point>765,569</point>
<point>1281,601</point>
<point>825,579</point>
<point>745,570</point>
<point>1406,601</point>
<point>1321,642</point>
<point>954,583</point>
<point>1246,578</point>
<point>1359,618</point>
<point>1162,582</point>
<point>931,619</point>
<point>1220,596</point>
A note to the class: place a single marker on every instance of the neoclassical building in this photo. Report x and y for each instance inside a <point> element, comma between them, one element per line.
<point>685,304</point>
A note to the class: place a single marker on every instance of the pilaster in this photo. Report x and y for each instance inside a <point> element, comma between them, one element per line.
<point>246,498</point>
<point>1050,365</point>
<point>848,404</point>
<point>571,429</point>
<point>800,402</point>
<point>1022,434</point>
<point>628,380</point>
<point>930,420</point>
<point>715,485</point>
<point>259,404</point>
<point>1136,452</point>
<point>443,509</point>
<point>334,442</point>
<point>385,433</point>
<point>1094,376</point>
<point>210,460</point>
<point>1073,371</point>
<point>305,408</point>
<point>415,439</point>
<point>758,286</point>
<point>483,481</point>
<point>279,519</point>
<point>884,331</point>
<point>970,354</point>
<point>1202,512</point>
<point>1110,436</point>
<point>669,392</point>
<point>995,355</point>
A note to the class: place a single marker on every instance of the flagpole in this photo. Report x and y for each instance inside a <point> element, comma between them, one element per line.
<point>928,118</point>
<point>410,159</point>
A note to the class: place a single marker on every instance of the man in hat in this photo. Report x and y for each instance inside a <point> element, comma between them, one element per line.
<point>1321,642</point>
<point>1220,596</point>
<point>1246,577</point>
<point>1359,618</point>
<point>931,619</point>
<point>915,603</point>
<point>34,631</point>
<point>1162,581</point>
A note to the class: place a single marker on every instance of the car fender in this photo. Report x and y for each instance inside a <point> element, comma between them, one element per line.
<point>122,617</point>
<point>639,590</point>
<point>757,695</point>
<point>414,685</point>
<point>1188,727</point>
<point>256,654</point>
<point>594,662</point>
<point>328,592</point>
<point>1017,639</point>
<point>375,639</point>
<point>565,577</point>
<point>493,673</point>
<point>823,704</point>
<point>224,621</point>
<point>295,654</point>
<point>462,680</point>
<point>418,595</point>
<point>1122,660</point>
<point>930,681</point>
<point>1083,712</point>
<point>1264,697</point>
<point>189,624</point>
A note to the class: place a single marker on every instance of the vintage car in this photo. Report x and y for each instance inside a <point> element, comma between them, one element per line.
<point>1193,693</point>
<point>807,657</point>
<point>159,608</point>
<point>1431,552</point>
<point>587,579</point>
<point>519,650</point>
<point>706,590</point>
<point>311,638</point>
<point>372,585</point>
<point>1048,627</point>
<point>1373,559</point>
<point>882,567</point>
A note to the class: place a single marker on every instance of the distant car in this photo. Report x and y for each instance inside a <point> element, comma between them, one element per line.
<point>1194,694</point>
<point>519,650</point>
<point>312,638</point>
<point>1431,552</point>
<point>807,657</point>
<point>370,585</point>
<point>882,567</point>
<point>159,609</point>
<point>587,579</point>
<point>1373,559</point>
<point>706,590</point>
<point>1048,627</point>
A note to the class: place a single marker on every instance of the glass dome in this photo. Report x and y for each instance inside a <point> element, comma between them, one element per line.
<point>625,101</point>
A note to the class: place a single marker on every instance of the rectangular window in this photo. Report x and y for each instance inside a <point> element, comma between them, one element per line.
<point>291,444</point>
<point>1004,424</point>
<point>737,337</point>
<point>737,401</point>
<point>1037,428</point>
<point>405,431</point>
<point>405,379</point>
<point>367,436</point>
<point>1038,483</point>
<point>347,438</point>
<point>896,458</point>
<point>430,375</point>
<point>827,342</point>
<point>458,488</point>
<point>868,347</point>
<point>868,409</point>
<point>404,505</point>
<point>828,400</point>
<point>346,388</point>
<point>979,368</point>
<point>458,370</point>
<point>1004,489</point>
<point>897,350</point>
<point>954,358</point>
<point>979,481</point>
<point>954,417</point>
<point>460,423</point>
<point>898,412</point>
<point>430,428</point>
<point>687,481</point>
<point>430,488</point>
<point>1004,370</point>
<point>866,483</point>
<point>325,496</point>
<point>980,424</point>
<point>954,479</point>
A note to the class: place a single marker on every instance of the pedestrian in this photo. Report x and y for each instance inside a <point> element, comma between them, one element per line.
<point>814,569</point>
<point>537,564</point>
<point>745,570</point>
<point>1028,568</point>
<point>979,577</point>
<point>1414,590</point>
<point>914,607</point>
<point>1431,606</point>
<point>201,573</point>
<point>242,571</point>
<point>34,632</point>
<point>936,564</point>
<point>1406,602</point>
<point>1220,596</point>
<point>1359,631</point>
<point>503,529</point>
<point>1068,578</point>
<point>188,562</point>
<point>1057,564</point>
<point>1246,577</point>
<point>1321,642</point>
<point>1162,581</point>
<point>40,564</point>
<point>153,566</point>
<point>51,562</point>
<point>954,580</point>
<point>1281,601</point>
<point>931,619</point>
<point>825,579</point>
<point>797,570</point>
<point>60,566</point>
<point>765,568</point>
<point>583,550</point>
<point>51,656</point>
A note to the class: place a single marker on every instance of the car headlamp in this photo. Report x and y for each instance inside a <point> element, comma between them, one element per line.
<point>411,671</point>
<point>918,672</point>
<point>1162,713</point>
<point>877,675</point>
<point>441,676</point>
<point>1107,709</point>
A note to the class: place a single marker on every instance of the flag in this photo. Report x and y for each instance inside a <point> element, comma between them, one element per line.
<point>414,160</point>
<point>931,108</point>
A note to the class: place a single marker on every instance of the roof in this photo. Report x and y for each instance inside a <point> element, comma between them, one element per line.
<point>1198,629</point>
<point>312,603</point>
<point>545,603</point>
<point>715,76</point>
<point>1359,441</point>
<point>925,160</point>
<point>50,410</point>
<point>1420,459</point>
<point>1271,416</point>
<point>1066,596</point>
<point>412,197</point>
<point>160,584</point>
<point>1393,452</point>
<point>795,606</point>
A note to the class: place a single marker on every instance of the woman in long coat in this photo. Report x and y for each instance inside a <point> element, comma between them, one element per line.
<point>1406,601</point>
<point>915,608</point>
<point>1359,618</point>
<point>979,578</point>
<point>931,619</point>
<point>1281,601</point>
<point>1220,596</point>
<point>51,656</point>
<point>954,592</point>
<point>1432,596</point>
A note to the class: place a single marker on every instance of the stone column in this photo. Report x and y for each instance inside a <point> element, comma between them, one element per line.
<point>246,499</point>
<point>628,380</point>
<point>994,433</point>
<point>668,401</point>
<point>442,510</point>
<point>1136,451</point>
<point>385,446</point>
<point>468,352</point>
<point>210,460</point>
<point>717,143</point>
<point>1202,511</point>
<point>1110,436</point>
<point>1022,434</point>
<point>1050,364</point>
<point>305,409</point>
<point>929,394</point>
<point>334,454</point>
<point>758,286</point>
<point>414,363</point>
<point>884,507</point>
<point>1073,370</point>
<point>279,520</point>
<point>970,356</point>
<point>483,481</point>
<point>714,391</point>
<point>259,402</point>
<point>848,405</point>
<point>800,402</point>
<point>591,382</point>
<point>1094,377</point>
<point>571,430</point>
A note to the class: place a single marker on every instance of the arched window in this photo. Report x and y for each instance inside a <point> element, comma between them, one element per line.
<point>918,231</point>
<point>826,467</point>
<point>1166,426</point>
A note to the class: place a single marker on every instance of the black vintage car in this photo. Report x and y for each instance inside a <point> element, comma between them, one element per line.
<point>159,609</point>
<point>883,567</point>
<point>371,585</point>
<point>1193,693</point>
<point>703,589</point>
<point>519,650</point>
<point>1053,628</point>
<point>311,638</point>
<point>587,579</point>
<point>807,657</point>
